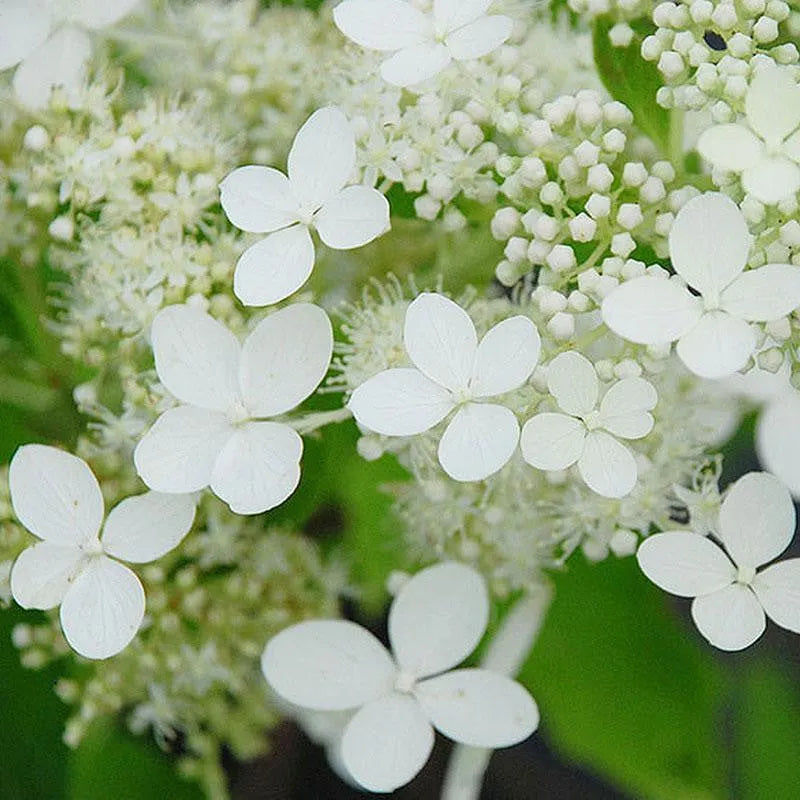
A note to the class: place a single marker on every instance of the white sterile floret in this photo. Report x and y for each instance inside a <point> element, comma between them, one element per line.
<point>423,43</point>
<point>587,434</point>
<point>756,524</point>
<point>220,436</point>
<point>452,372</point>
<point>708,244</point>
<point>48,41</point>
<point>314,195</point>
<point>435,621</point>
<point>57,498</point>
<point>766,151</point>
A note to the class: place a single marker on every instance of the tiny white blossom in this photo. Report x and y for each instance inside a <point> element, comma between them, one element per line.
<point>766,151</point>
<point>708,244</point>
<point>57,498</point>
<point>435,621</point>
<point>587,434</point>
<point>756,524</point>
<point>48,39</point>
<point>314,195</point>
<point>423,43</point>
<point>219,436</point>
<point>453,371</point>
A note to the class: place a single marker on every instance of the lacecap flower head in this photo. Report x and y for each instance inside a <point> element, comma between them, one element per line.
<point>398,698</point>
<point>57,498</point>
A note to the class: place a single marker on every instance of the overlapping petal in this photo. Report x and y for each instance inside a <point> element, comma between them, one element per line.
<point>625,408</point>
<point>453,14</point>
<point>196,357</point>
<point>24,25</point>
<point>719,345</point>
<point>382,24</point>
<point>685,563</point>
<point>731,618</point>
<point>352,218</point>
<point>479,441</point>
<point>143,528</point>
<point>778,439</point>
<point>438,618</point>
<point>99,13</point>
<point>773,179</point>
<point>55,495</point>
<point>572,380</point>
<point>731,147</point>
<point>328,665</point>
<point>767,293</point>
<point>258,199</point>
<point>43,573</point>
<point>480,37</point>
<point>274,268</point>
<point>607,466</point>
<point>552,441</point>
<point>413,65</point>
<point>772,104</point>
<point>506,357</point>
<point>778,590</point>
<point>285,358</point>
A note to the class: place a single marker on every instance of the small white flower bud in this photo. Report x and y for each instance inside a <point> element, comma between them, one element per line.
<point>663,223</point>
<point>627,368</point>
<point>612,265</point>
<point>568,169</point>
<point>634,173</point>
<point>561,258</point>
<point>539,132</point>
<point>551,302</point>
<point>670,64</point>
<point>36,138</point>
<point>683,42</point>
<point>622,244</point>
<point>629,216</point>
<point>588,113</point>
<point>588,280</point>
<point>586,153</point>
<point>771,359</point>
<point>765,30</point>
<point>516,250</point>
<point>532,171</point>
<point>753,210</point>
<point>621,35</point>
<point>505,223</point>
<point>507,273</point>
<point>369,448</point>
<point>551,194</point>
<point>62,228</point>
<point>505,165</point>
<point>724,16</point>
<point>599,178</point>
<point>789,233</point>
<point>616,113</point>
<point>598,206</point>
<point>469,136</point>
<point>651,48</point>
<point>426,207</point>
<point>578,302</point>
<point>653,190</point>
<point>561,326</point>
<point>624,542</point>
<point>633,269</point>
<point>779,329</point>
<point>700,11</point>
<point>545,227</point>
<point>614,141</point>
<point>582,228</point>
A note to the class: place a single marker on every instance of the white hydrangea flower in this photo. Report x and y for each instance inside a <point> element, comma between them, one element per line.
<point>766,151</point>
<point>708,244</point>
<point>587,434</point>
<point>48,39</point>
<point>220,435</point>
<point>435,622</point>
<point>452,372</point>
<point>314,195</point>
<point>423,43</point>
<point>57,498</point>
<point>756,524</point>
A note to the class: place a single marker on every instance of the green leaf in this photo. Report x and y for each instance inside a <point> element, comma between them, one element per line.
<point>632,80</point>
<point>625,689</point>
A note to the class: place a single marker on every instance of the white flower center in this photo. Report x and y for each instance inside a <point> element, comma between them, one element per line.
<point>461,396</point>
<point>305,215</point>
<point>745,575</point>
<point>592,420</point>
<point>92,548</point>
<point>405,682</point>
<point>238,413</point>
<point>711,302</point>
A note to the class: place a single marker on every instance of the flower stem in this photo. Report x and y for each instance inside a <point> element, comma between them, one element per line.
<point>506,654</point>
<point>312,422</point>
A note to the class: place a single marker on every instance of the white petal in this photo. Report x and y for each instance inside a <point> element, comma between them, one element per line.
<point>60,61</point>
<point>438,618</point>
<point>453,14</point>
<point>322,157</point>
<point>440,339</point>
<point>625,406</point>
<point>478,708</point>
<point>258,468</point>
<point>178,453</point>
<point>285,358</point>
<point>756,519</point>
<point>274,268</point>
<point>103,609</point>
<point>778,440</point>
<point>100,13</point>
<point>327,665</point>
<point>479,441</point>
<point>717,346</point>
<point>730,147</point>
<point>413,65</point>
<point>382,24</point>
<point>480,37</point>
<point>387,742</point>
<point>791,147</point>
<point>400,402</point>
<point>709,242</point>
<point>258,199</point>
<point>55,495</point>
<point>731,618</point>
<point>506,357</point>
<point>778,590</point>
<point>772,179</point>
<point>607,466</point>
<point>355,216</point>
<point>197,358</point>
<point>685,563</point>
<point>552,441</point>
<point>43,572</point>
<point>572,380</point>
<point>764,294</point>
<point>772,104</point>
<point>24,25</point>
<point>651,310</point>
<point>148,526</point>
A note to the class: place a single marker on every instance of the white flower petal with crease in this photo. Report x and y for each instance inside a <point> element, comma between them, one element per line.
<point>718,346</point>
<point>478,708</point>
<point>778,590</point>
<point>55,495</point>
<point>772,179</point>
<point>772,104</point>
<point>382,24</point>
<point>103,609</point>
<point>352,218</point>
<point>438,618</point>
<point>764,294</point>
<point>327,665</point>
<point>607,466</point>
<point>100,13</point>
<point>506,357</point>
<point>685,564</point>
<point>625,407</point>
<point>413,65</point>
<point>572,380</point>
<point>778,439</point>
<point>480,440</point>
<point>731,147</point>
<point>258,199</point>
<point>24,25</point>
<point>479,38</point>
<point>731,618</point>
<point>44,572</point>
<point>453,14</point>
<point>552,441</point>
